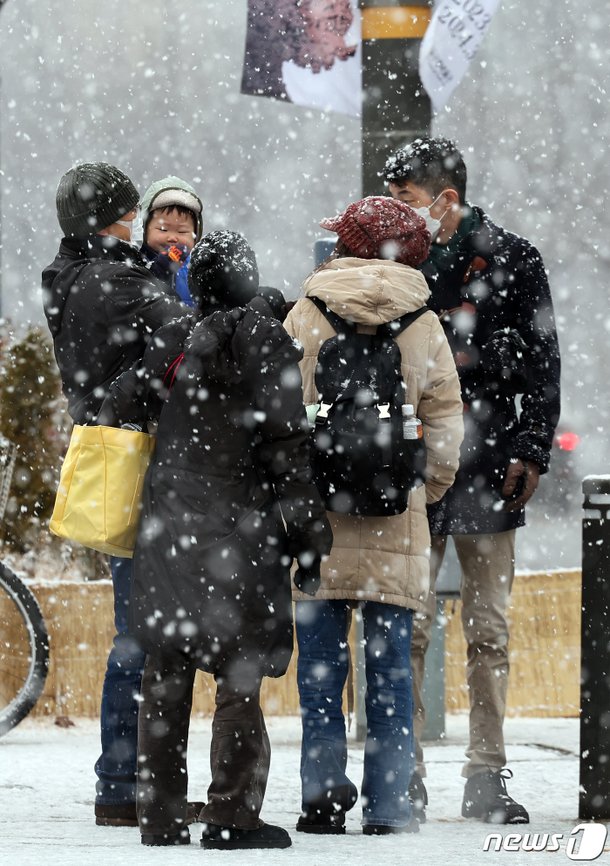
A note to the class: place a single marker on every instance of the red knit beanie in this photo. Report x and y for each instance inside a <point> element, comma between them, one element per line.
<point>379,227</point>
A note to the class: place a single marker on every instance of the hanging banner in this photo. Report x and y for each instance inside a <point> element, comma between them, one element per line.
<point>451,41</point>
<point>305,51</point>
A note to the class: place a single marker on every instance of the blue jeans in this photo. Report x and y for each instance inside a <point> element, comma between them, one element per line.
<point>321,628</point>
<point>116,766</point>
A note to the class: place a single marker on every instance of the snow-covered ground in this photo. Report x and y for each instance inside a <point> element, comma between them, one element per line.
<point>47,789</point>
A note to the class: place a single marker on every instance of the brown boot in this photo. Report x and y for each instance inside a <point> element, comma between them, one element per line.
<point>116,815</point>
<point>124,814</point>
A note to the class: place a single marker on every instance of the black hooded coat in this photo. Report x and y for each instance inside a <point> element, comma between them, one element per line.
<point>228,497</point>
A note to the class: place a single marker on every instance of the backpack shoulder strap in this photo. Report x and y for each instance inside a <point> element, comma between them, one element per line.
<point>395,328</point>
<point>341,326</point>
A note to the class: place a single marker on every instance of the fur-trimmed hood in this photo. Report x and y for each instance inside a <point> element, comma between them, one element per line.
<point>368,291</point>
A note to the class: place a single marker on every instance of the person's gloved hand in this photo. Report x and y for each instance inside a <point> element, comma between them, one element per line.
<point>520,483</point>
<point>307,576</point>
<point>169,261</point>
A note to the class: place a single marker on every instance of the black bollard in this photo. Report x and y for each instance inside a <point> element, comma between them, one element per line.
<point>594,799</point>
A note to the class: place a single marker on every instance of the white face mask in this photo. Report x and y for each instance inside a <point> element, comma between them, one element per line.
<point>136,230</point>
<point>432,224</point>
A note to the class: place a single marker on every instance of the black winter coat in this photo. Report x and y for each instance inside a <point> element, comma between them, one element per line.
<point>102,305</point>
<point>498,285</point>
<point>212,559</point>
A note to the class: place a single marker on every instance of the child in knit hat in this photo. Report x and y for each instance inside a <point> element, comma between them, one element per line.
<point>223,273</point>
<point>172,222</point>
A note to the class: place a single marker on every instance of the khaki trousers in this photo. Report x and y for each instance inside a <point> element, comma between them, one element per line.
<point>488,566</point>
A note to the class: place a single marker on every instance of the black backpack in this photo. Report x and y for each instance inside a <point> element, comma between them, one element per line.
<point>361,463</point>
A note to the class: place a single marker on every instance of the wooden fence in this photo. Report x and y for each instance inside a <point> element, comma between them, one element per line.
<point>545,651</point>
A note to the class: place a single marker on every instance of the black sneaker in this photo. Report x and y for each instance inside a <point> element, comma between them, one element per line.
<point>183,837</point>
<point>231,838</point>
<point>486,797</point>
<point>322,823</point>
<point>418,797</point>
<point>384,830</point>
<point>326,815</point>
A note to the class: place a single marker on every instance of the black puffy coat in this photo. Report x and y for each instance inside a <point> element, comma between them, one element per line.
<point>102,305</point>
<point>212,558</point>
<point>497,286</point>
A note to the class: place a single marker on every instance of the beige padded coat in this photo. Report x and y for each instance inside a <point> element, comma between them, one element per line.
<point>386,558</point>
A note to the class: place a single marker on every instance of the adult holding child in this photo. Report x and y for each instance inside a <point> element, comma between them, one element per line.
<point>102,306</point>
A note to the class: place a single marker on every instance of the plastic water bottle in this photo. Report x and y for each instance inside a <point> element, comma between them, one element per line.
<point>412,427</point>
<point>312,410</point>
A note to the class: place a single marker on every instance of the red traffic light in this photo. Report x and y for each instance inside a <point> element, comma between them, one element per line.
<point>567,441</point>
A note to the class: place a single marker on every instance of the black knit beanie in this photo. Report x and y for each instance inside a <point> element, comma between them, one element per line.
<point>223,272</point>
<point>91,197</point>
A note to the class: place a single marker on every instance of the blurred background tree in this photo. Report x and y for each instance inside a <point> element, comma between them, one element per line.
<point>32,416</point>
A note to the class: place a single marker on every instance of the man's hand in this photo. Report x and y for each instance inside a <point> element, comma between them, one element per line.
<point>521,481</point>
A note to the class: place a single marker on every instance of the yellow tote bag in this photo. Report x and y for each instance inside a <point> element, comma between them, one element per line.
<point>99,497</point>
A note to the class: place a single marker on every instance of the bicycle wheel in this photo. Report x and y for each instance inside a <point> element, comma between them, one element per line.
<point>24,650</point>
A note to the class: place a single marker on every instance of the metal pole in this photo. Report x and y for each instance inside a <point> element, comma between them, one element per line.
<point>594,796</point>
<point>433,688</point>
<point>395,109</point>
